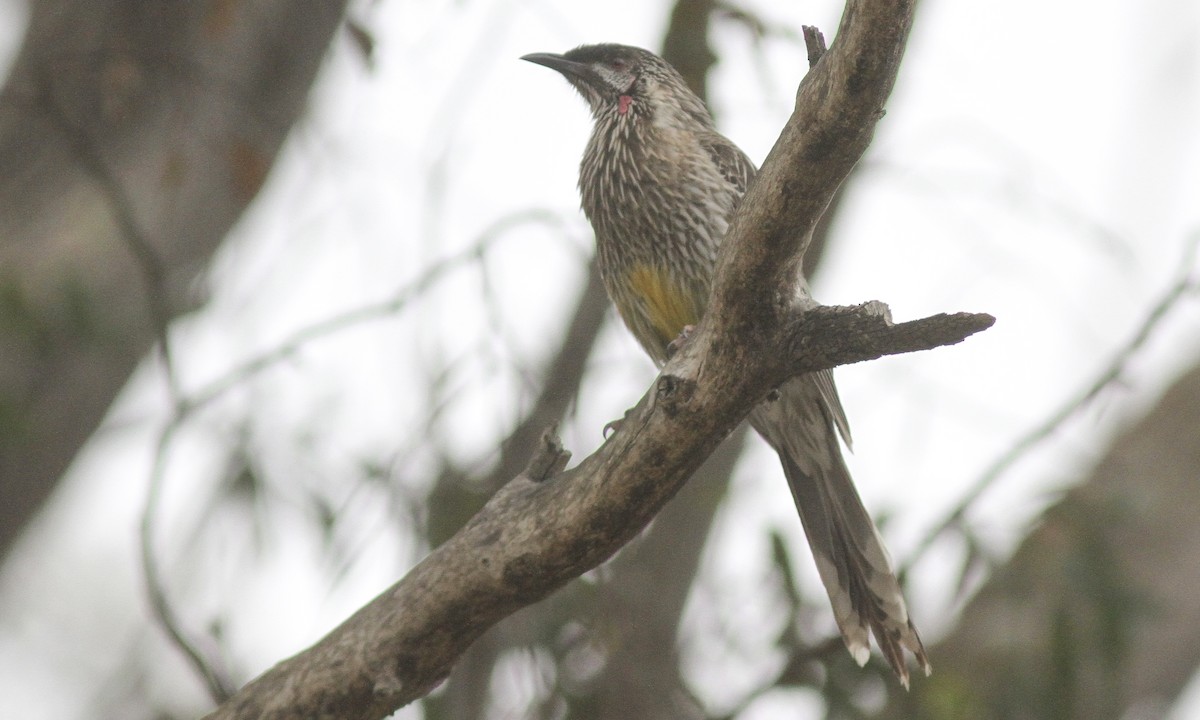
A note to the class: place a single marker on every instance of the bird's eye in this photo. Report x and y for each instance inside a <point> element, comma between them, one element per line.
<point>618,64</point>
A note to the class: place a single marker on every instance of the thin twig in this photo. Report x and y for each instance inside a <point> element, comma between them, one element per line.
<point>814,41</point>
<point>154,274</point>
<point>219,685</point>
<point>371,311</point>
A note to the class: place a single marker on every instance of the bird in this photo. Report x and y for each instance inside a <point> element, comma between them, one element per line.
<point>659,186</point>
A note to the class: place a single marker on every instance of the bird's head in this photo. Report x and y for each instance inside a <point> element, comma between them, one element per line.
<point>625,81</point>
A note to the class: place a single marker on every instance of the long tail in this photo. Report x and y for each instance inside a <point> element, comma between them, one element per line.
<point>802,425</point>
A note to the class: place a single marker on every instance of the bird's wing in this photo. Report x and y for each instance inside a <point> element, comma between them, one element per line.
<point>738,169</point>
<point>730,161</point>
<point>824,382</point>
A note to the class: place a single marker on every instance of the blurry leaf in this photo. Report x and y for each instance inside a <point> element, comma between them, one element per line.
<point>782,561</point>
<point>749,20</point>
<point>216,628</point>
<point>363,40</point>
<point>243,484</point>
<point>974,562</point>
<point>326,518</point>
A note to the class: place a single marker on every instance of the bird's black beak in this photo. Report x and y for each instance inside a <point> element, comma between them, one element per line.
<point>569,68</point>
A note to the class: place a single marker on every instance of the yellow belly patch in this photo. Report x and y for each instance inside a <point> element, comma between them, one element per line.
<point>668,305</point>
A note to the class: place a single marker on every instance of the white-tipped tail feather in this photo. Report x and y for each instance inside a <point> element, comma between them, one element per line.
<point>802,425</point>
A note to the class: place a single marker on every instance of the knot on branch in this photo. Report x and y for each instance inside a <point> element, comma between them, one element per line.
<point>549,458</point>
<point>388,683</point>
<point>672,392</point>
<point>879,309</point>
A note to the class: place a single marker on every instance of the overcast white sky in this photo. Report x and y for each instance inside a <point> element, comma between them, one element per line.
<point>1039,161</point>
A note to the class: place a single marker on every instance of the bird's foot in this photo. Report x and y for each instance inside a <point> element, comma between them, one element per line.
<point>679,342</point>
<point>614,426</point>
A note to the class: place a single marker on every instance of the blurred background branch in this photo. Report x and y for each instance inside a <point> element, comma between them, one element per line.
<point>147,131</point>
<point>322,440</point>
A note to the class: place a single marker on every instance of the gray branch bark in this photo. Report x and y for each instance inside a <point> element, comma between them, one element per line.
<point>543,529</point>
<point>540,531</point>
<point>132,137</point>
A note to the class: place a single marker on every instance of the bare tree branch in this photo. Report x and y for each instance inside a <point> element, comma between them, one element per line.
<point>637,611</point>
<point>198,649</point>
<point>534,536</point>
<point>837,106</point>
<point>686,45</point>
